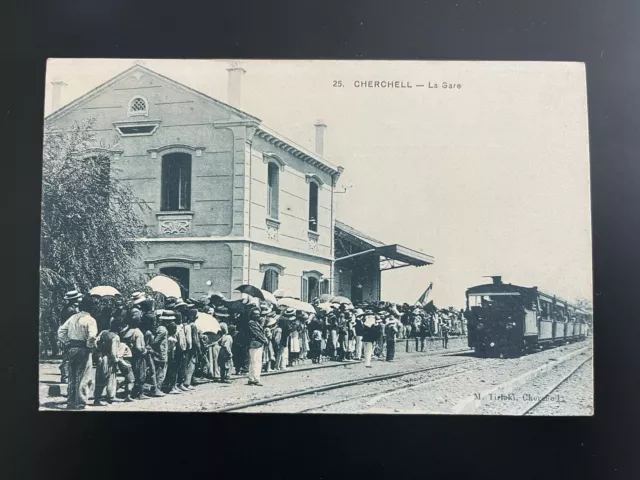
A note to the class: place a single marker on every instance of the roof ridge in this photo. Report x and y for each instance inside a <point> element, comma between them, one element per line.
<point>147,70</point>
<point>360,233</point>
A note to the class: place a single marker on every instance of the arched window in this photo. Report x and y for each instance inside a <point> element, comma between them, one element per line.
<point>272,273</point>
<point>273,190</point>
<point>312,286</point>
<point>313,206</point>
<point>270,282</point>
<point>138,106</point>
<point>176,182</point>
<point>180,275</point>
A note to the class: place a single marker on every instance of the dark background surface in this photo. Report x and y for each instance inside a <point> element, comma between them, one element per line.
<point>604,34</point>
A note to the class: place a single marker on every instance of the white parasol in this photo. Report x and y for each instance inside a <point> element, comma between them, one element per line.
<point>269,297</point>
<point>207,323</point>
<point>165,285</point>
<point>369,320</point>
<point>103,291</point>
<point>297,305</point>
<point>282,293</point>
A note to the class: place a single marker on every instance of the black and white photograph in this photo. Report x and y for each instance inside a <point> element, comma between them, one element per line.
<point>316,236</point>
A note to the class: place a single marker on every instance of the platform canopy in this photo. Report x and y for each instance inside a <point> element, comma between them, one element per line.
<point>351,243</point>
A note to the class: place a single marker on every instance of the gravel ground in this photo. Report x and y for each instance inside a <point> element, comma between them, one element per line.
<point>439,397</point>
<point>442,397</point>
<point>577,393</point>
<point>520,398</point>
<point>212,396</point>
<point>338,398</point>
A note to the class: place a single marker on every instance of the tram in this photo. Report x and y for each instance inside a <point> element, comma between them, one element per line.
<point>506,320</point>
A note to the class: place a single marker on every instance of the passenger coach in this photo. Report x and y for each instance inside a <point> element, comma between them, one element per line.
<point>510,320</point>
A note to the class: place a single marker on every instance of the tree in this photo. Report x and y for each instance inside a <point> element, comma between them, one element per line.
<point>584,304</point>
<point>88,220</point>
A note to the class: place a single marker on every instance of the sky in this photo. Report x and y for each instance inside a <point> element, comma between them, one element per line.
<point>491,178</point>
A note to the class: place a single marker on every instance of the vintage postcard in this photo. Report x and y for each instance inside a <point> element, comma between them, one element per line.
<point>316,237</point>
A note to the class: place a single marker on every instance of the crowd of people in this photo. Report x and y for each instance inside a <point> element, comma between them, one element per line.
<point>150,339</point>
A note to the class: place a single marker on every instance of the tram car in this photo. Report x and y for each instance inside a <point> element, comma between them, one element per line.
<point>505,320</point>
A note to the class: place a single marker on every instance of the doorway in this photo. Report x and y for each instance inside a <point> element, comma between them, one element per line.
<point>180,275</point>
<point>356,287</point>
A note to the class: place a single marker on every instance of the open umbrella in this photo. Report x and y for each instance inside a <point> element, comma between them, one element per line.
<point>207,323</point>
<point>340,299</point>
<point>251,290</point>
<point>369,320</point>
<point>269,297</point>
<point>297,305</point>
<point>283,293</point>
<point>165,285</point>
<point>103,291</point>
<point>325,298</point>
<point>327,307</point>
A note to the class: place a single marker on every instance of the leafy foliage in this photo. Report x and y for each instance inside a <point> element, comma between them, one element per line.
<point>88,222</point>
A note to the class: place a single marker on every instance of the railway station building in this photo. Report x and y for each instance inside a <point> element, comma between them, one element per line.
<point>227,200</point>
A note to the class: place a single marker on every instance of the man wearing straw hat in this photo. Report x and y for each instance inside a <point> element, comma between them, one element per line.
<point>79,334</point>
<point>194,352</point>
<point>70,308</point>
<point>359,330</point>
<point>369,336</point>
<point>282,357</point>
<point>134,339</point>
<point>257,341</point>
<point>160,347</point>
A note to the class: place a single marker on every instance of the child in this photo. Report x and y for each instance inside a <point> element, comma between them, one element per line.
<point>316,346</point>
<point>225,355</point>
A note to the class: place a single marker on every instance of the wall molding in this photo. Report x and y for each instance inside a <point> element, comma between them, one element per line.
<point>176,148</point>
<point>268,157</point>
<point>272,266</point>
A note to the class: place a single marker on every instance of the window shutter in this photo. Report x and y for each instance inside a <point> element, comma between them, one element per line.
<point>324,287</point>
<point>270,281</point>
<point>305,289</point>
<point>273,186</point>
<point>185,180</point>
<point>276,192</point>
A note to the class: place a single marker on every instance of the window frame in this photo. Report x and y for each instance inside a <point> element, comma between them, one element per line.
<point>313,184</point>
<point>275,275</point>
<point>136,113</point>
<point>305,293</point>
<point>188,194</point>
<point>273,191</point>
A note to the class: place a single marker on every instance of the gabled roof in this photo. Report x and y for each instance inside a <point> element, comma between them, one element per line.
<point>139,68</point>
<point>270,135</point>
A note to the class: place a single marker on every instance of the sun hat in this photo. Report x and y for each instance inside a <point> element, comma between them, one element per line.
<point>72,295</point>
<point>165,317</point>
<point>289,312</point>
<point>139,299</point>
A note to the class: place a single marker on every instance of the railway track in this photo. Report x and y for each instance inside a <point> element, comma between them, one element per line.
<point>554,387</point>
<point>377,396</point>
<point>345,384</point>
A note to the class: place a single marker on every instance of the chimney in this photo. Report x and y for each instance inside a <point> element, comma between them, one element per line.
<point>56,95</point>
<point>497,280</point>
<point>234,88</point>
<point>320,128</point>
